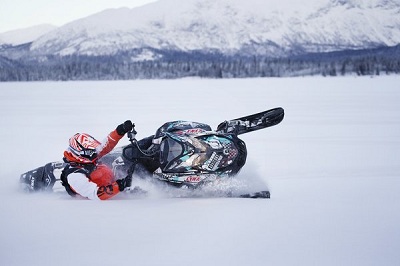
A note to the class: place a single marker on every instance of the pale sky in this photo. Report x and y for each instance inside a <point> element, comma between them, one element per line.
<point>18,14</point>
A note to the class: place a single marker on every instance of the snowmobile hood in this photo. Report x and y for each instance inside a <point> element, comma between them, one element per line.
<point>206,153</point>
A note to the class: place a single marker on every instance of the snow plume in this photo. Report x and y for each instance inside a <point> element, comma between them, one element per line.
<point>247,181</point>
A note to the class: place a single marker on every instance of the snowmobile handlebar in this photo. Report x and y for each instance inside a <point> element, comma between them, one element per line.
<point>132,138</point>
<point>132,135</point>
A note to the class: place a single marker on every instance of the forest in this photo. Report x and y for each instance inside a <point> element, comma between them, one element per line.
<point>175,64</point>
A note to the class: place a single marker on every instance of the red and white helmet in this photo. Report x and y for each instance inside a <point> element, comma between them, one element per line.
<point>82,149</point>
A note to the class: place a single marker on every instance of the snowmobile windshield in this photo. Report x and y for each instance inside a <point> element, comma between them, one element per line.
<point>205,153</point>
<point>172,149</point>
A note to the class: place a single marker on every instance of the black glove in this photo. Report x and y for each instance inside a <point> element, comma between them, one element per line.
<point>124,183</point>
<point>125,127</point>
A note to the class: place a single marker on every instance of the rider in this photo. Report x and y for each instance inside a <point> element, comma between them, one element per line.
<point>84,175</point>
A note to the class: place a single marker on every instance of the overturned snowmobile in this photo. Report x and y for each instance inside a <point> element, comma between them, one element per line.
<point>180,153</point>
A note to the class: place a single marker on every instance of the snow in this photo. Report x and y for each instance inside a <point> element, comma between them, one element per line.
<point>26,35</point>
<point>229,26</point>
<point>331,166</point>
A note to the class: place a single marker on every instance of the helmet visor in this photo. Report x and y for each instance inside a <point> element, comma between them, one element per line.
<point>90,154</point>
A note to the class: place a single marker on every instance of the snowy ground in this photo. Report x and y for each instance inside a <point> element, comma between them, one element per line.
<point>332,167</point>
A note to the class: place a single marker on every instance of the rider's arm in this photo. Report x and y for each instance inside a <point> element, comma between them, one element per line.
<point>112,139</point>
<point>109,143</point>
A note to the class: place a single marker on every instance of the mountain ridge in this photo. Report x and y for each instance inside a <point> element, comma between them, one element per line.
<point>231,27</point>
<point>25,35</point>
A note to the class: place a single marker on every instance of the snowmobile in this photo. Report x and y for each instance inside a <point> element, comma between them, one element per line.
<point>180,153</point>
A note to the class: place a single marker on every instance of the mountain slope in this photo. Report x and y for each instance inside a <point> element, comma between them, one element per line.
<point>231,26</point>
<point>21,36</point>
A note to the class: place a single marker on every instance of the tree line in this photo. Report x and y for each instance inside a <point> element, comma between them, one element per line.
<point>173,65</point>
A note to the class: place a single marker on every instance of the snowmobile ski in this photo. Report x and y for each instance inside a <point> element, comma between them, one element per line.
<point>253,122</point>
<point>257,195</point>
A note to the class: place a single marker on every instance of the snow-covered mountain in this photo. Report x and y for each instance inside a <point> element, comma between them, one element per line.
<point>274,27</point>
<point>26,35</point>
